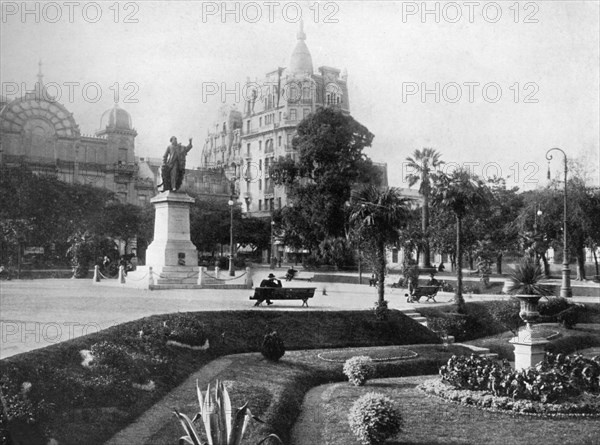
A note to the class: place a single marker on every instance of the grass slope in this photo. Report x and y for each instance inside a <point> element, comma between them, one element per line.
<point>71,392</point>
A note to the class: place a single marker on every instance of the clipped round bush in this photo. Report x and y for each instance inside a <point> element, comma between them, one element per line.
<point>374,418</point>
<point>359,369</point>
<point>273,347</point>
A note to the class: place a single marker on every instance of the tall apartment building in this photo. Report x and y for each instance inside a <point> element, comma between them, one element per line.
<point>246,142</point>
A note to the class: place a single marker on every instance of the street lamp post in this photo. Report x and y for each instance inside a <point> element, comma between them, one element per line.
<point>231,268</point>
<point>271,259</point>
<point>565,289</point>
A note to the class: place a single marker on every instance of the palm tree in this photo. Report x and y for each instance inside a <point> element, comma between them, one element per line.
<point>423,162</point>
<point>459,192</point>
<point>376,216</point>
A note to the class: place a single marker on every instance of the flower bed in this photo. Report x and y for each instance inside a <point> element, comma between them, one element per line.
<point>377,355</point>
<point>584,406</point>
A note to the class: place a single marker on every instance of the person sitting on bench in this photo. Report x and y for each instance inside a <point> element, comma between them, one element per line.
<point>270,281</point>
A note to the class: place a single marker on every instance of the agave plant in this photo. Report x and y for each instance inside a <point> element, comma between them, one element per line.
<point>221,427</point>
<point>525,280</point>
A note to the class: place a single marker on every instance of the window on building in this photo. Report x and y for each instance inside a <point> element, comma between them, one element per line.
<point>260,184</point>
<point>279,141</point>
<point>272,203</point>
<point>122,155</point>
<point>260,122</point>
<point>259,205</point>
<point>224,127</point>
<point>248,149</point>
<point>394,255</point>
<point>280,116</point>
<point>293,114</point>
<point>142,198</point>
<point>279,203</point>
<point>259,145</point>
<point>306,113</point>
<point>260,164</point>
<point>248,127</point>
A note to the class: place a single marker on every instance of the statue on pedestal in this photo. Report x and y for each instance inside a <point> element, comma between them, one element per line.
<point>173,168</point>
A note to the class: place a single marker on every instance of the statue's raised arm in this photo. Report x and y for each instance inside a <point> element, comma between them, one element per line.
<point>173,168</point>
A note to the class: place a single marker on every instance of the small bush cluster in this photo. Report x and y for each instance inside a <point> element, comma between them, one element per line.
<point>446,287</point>
<point>272,346</point>
<point>459,326</point>
<point>381,310</point>
<point>374,418</point>
<point>569,317</point>
<point>359,369</point>
<point>506,313</point>
<point>553,306</point>
<point>186,329</point>
<point>553,379</point>
<point>125,364</point>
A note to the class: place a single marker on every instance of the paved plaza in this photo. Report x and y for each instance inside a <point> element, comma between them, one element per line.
<point>37,313</point>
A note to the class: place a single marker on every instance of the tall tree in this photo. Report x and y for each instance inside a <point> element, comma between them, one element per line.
<point>376,217</point>
<point>424,163</point>
<point>329,161</point>
<point>460,193</point>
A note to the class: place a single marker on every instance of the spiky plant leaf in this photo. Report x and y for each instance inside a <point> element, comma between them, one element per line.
<point>238,427</point>
<point>525,280</point>
<point>192,436</point>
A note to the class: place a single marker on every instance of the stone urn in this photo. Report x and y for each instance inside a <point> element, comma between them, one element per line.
<point>529,308</point>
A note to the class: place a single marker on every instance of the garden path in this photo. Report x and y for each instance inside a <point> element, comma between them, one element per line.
<point>138,431</point>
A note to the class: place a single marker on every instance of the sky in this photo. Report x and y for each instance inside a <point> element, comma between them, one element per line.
<point>491,85</point>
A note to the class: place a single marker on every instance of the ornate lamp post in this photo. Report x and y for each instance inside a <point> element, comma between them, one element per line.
<point>272,259</point>
<point>231,203</point>
<point>565,289</point>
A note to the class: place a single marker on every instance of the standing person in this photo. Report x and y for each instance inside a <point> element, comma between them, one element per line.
<point>270,281</point>
<point>173,168</point>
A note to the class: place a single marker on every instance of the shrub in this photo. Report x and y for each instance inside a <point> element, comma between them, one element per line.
<point>506,313</point>
<point>569,317</point>
<point>381,310</point>
<point>374,418</point>
<point>553,306</point>
<point>359,369</point>
<point>188,330</point>
<point>459,326</point>
<point>273,347</point>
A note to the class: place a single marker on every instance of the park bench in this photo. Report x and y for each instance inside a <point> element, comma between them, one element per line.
<point>283,293</point>
<point>422,291</point>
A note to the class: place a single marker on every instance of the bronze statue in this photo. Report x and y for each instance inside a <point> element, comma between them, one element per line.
<point>173,168</point>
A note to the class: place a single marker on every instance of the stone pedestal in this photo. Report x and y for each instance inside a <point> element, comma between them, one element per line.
<point>171,246</point>
<point>529,349</point>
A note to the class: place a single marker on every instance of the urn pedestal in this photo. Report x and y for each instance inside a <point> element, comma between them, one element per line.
<point>529,346</point>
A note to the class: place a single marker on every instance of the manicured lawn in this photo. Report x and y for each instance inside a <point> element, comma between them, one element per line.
<point>275,390</point>
<point>429,420</point>
<point>63,393</point>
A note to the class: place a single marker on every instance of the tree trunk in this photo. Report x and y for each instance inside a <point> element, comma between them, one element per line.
<point>470,255</point>
<point>546,265</point>
<point>580,264</point>
<point>458,297</point>
<point>381,273</point>
<point>426,257</point>
<point>499,263</point>
<point>596,262</point>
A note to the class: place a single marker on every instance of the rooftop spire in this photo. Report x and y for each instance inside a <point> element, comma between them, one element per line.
<point>301,35</point>
<point>40,76</point>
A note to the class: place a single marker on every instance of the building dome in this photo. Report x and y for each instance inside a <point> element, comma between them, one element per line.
<point>301,61</point>
<point>116,119</point>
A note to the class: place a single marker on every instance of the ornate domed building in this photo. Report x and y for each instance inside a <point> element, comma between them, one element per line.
<point>245,143</point>
<point>40,132</point>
